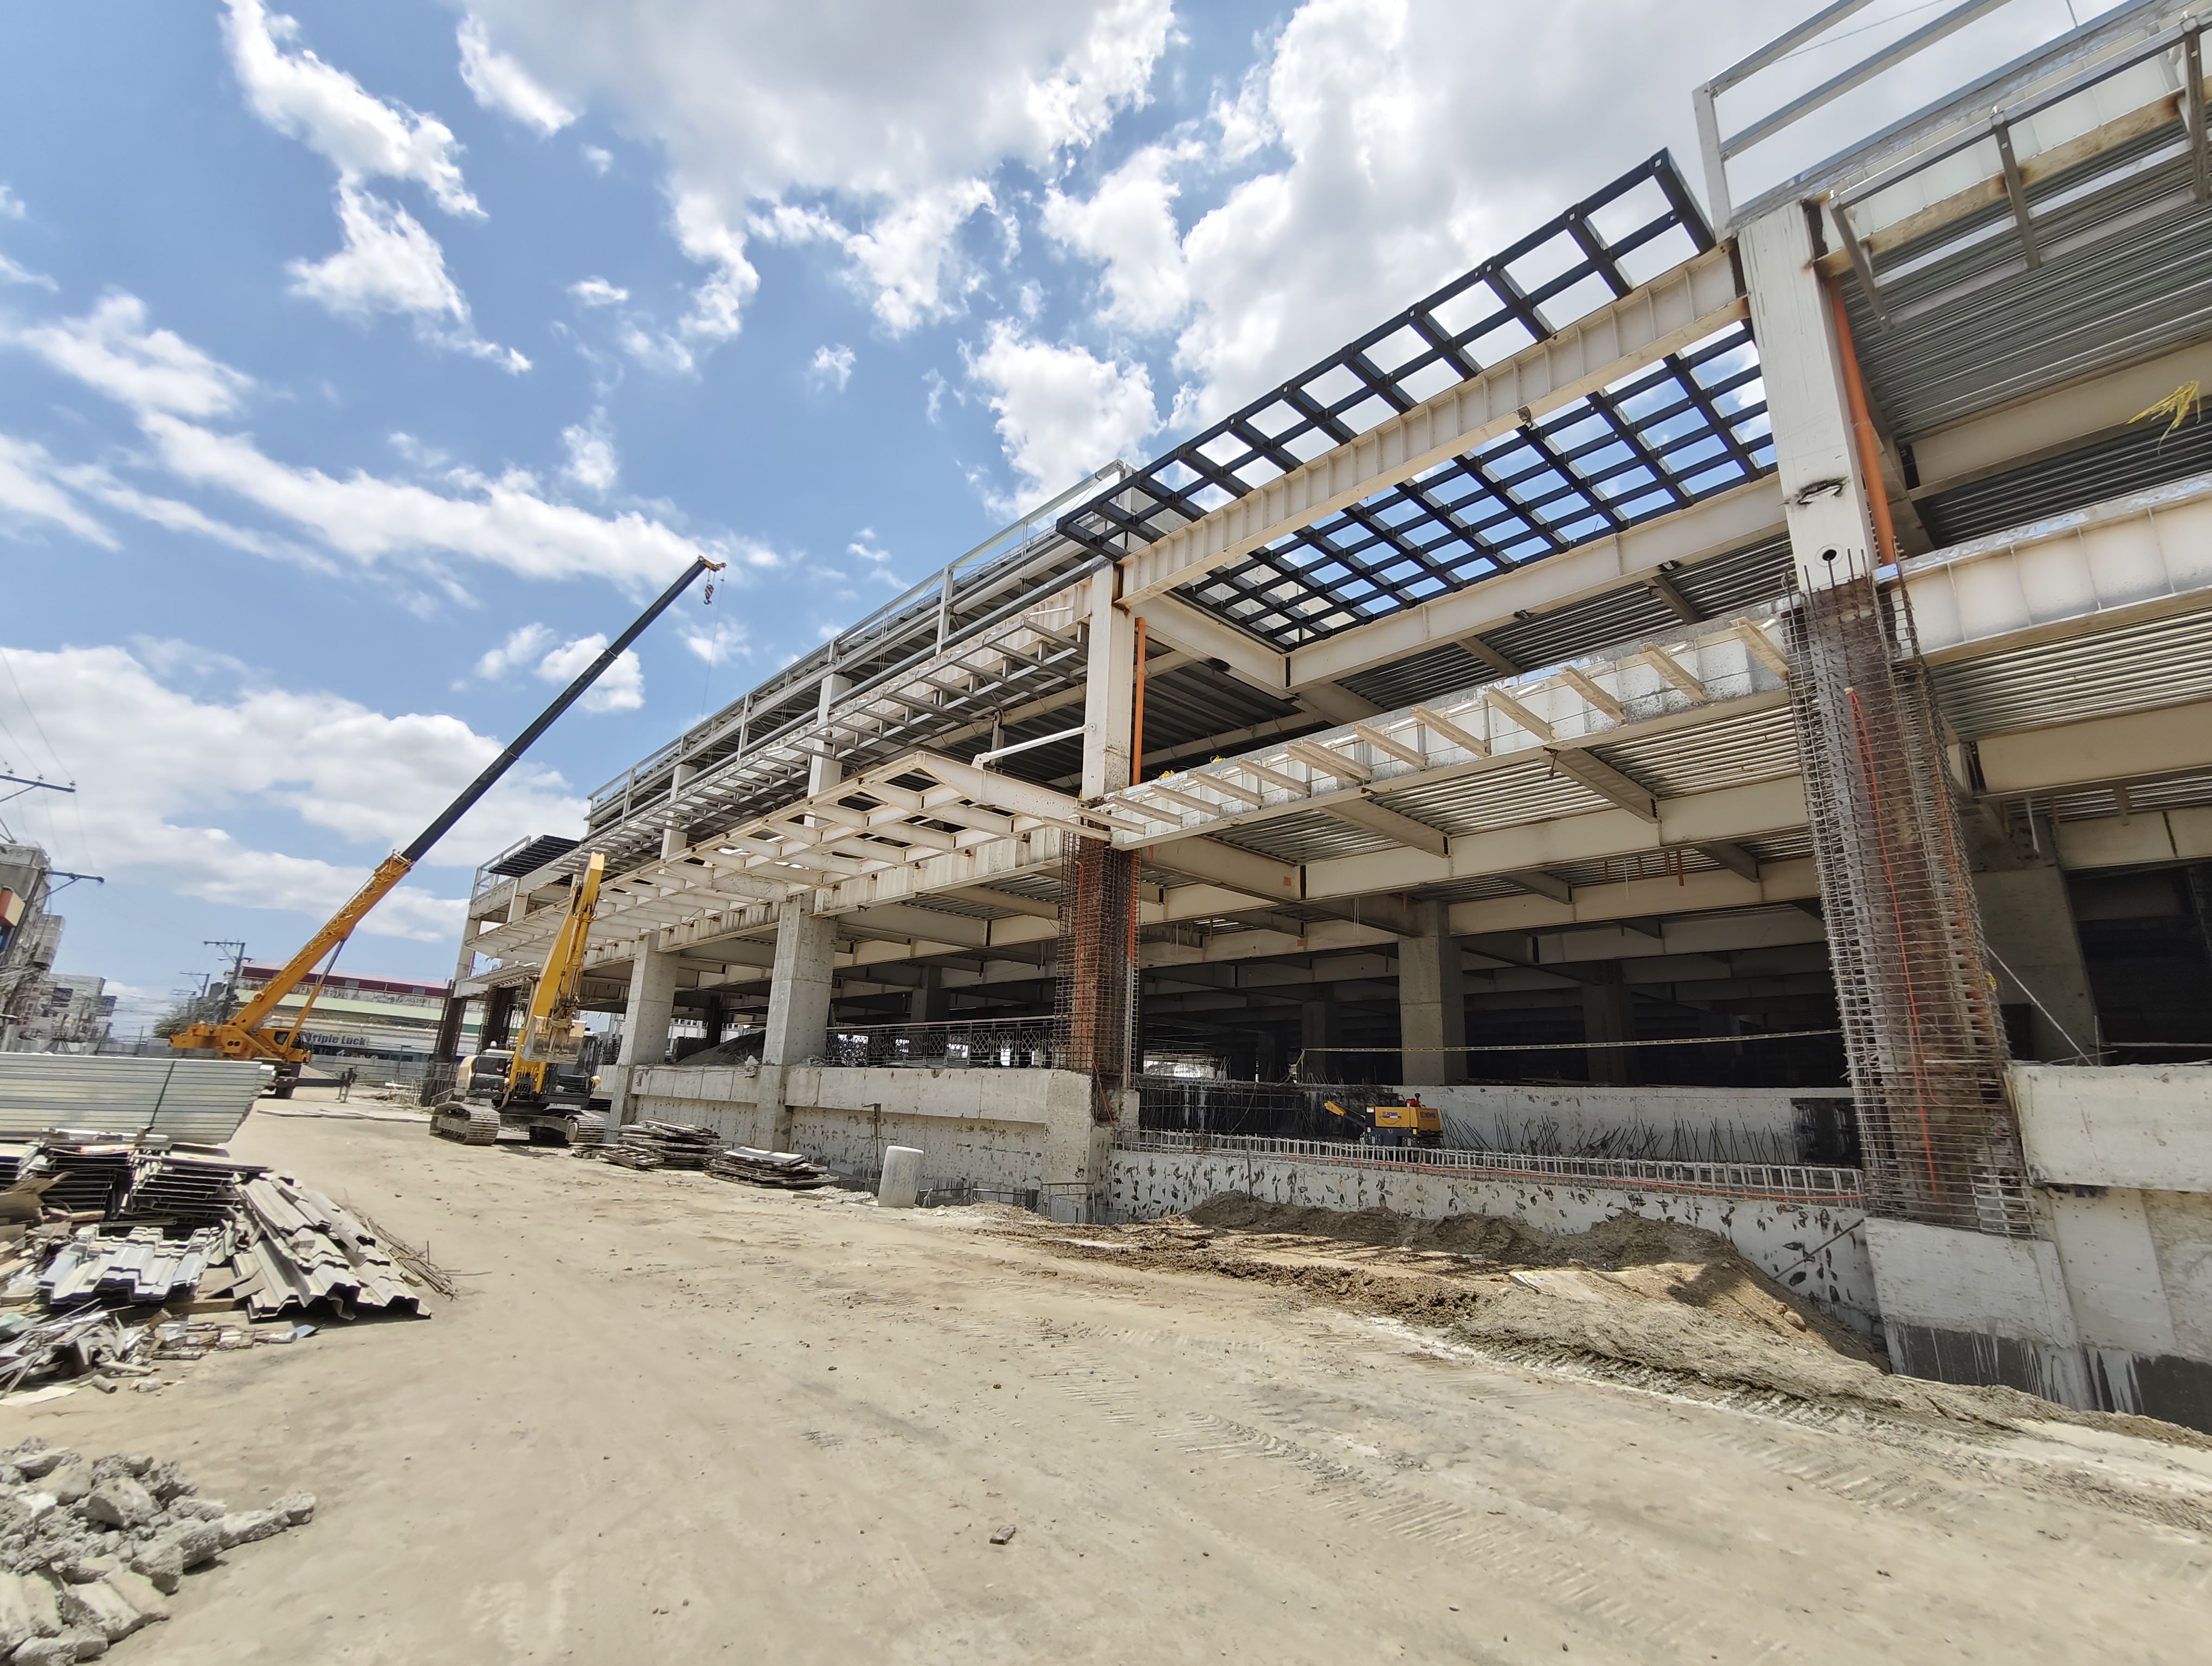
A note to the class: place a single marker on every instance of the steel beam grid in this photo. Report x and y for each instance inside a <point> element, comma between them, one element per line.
<point>1667,437</point>
<point>1394,367</point>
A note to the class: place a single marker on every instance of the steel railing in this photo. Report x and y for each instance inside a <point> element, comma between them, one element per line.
<point>1037,1043</point>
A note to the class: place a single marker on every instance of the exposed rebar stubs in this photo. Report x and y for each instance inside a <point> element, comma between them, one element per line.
<point>1921,1027</point>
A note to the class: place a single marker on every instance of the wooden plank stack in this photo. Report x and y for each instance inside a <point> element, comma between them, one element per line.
<point>664,1145</point>
<point>785,1171</point>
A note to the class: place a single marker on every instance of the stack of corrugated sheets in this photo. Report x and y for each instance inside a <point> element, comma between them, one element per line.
<point>785,1171</point>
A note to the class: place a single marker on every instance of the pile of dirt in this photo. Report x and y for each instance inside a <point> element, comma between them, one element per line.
<point>1623,1241</point>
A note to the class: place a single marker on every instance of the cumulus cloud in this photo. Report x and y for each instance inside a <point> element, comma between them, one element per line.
<point>1062,412</point>
<point>831,364</point>
<point>11,205</point>
<point>1128,224</point>
<point>592,462</point>
<point>30,492</point>
<point>879,139</point>
<point>537,649</point>
<point>501,84</point>
<point>597,292</point>
<point>362,135</point>
<point>725,639</point>
<point>505,521</point>
<point>597,159</point>
<point>160,772</point>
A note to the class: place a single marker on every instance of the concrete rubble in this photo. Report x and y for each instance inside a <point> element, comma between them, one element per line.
<point>92,1550</point>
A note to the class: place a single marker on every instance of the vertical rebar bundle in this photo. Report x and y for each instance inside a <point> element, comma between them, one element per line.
<point>1921,1026</point>
<point>1098,961</point>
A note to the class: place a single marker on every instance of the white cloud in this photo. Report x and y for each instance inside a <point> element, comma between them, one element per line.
<point>534,647</point>
<point>506,521</point>
<point>501,84</point>
<point>878,559</point>
<point>883,133</point>
<point>389,264</point>
<point>717,304</point>
<point>1129,225</point>
<point>725,639</point>
<point>621,687</point>
<point>363,137</point>
<point>1062,412</point>
<point>30,492</point>
<point>160,773</point>
<point>600,160</point>
<point>111,349</point>
<point>597,292</point>
<point>11,272</point>
<point>11,205</point>
<point>591,463</point>
<point>831,364</point>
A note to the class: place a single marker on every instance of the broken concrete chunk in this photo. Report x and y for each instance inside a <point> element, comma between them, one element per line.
<point>161,1563</point>
<point>49,1651</point>
<point>166,1483</point>
<point>70,1483</point>
<point>42,1596</point>
<point>210,1510</point>
<point>42,1462</point>
<point>133,1464</point>
<point>1003,1536</point>
<point>100,1608</point>
<point>120,1501</point>
<point>195,1542</point>
<point>296,1508</point>
<point>140,1592</point>
<point>249,1525</point>
<point>17,1626</point>
<point>82,1570</point>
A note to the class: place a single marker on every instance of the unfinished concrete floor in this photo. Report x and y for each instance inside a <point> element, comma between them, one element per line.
<point>679,1419</point>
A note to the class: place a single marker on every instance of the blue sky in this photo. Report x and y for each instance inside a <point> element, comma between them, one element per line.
<point>359,363</point>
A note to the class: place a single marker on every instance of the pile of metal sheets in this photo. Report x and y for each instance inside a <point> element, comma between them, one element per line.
<point>783,1170</point>
<point>303,1249</point>
<point>187,1188</point>
<point>143,1268</point>
<point>93,1172</point>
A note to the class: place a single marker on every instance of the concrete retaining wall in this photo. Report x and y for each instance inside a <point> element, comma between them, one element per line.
<point>1776,1237</point>
<point>1699,1124</point>
<point>995,1130</point>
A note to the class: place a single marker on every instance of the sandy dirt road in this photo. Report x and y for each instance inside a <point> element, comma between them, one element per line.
<point>678,1419</point>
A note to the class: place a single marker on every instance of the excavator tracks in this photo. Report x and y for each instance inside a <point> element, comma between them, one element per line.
<point>469,1124</point>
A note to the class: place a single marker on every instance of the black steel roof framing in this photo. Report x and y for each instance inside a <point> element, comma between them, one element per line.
<point>1108,525</point>
<point>1282,603</point>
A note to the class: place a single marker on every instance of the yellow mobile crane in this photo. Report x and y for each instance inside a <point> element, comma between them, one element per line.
<point>247,1033</point>
<point>538,1086</point>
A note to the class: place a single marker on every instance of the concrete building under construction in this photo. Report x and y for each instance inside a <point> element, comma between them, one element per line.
<point>1717,700</point>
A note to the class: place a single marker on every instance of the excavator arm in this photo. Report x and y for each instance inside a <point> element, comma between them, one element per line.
<point>547,1035</point>
<point>246,1034</point>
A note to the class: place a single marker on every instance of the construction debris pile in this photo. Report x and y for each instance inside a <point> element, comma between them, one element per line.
<point>662,1145</point>
<point>93,1549</point>
<point>785,1171</point>
<point>651,1145</point>
<point>108,1247</point>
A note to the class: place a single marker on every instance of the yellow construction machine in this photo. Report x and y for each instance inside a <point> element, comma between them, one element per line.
<point>539,1084</point>
<point>1411,1123</point>
<point>248,1033</point>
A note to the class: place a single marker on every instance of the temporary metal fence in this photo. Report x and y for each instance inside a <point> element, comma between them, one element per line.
<point>1774,1182</point>
<point>1034,1043</point>
<point>1922,1031</point>
<point>200,1101</point>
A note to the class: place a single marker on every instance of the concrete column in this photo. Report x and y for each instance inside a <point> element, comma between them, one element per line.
<point>798,1005</point>
<point>498,1019</point>
<point>1109,690</point>
<point>672,839</point>
<point>646,1016</point>
<point>1321,1028</point>
<point>1814,450</point>
<point>1608,1015</point>
<point>1432,1005</point>
<point>826,772</point>
<point>931,1002</point>
<point>2027,922</point>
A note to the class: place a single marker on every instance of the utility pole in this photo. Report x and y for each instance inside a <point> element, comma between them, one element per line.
<point>237,971</point>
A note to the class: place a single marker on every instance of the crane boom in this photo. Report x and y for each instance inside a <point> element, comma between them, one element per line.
<point>242,1036</point>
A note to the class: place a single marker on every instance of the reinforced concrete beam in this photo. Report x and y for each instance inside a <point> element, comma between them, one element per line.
<point>1673,311</point>
<point>1608,783</point>
<point>2164,740</point>
<point>1370,816</point>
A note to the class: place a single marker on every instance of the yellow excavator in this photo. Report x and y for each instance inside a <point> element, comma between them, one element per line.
<point>1411,1123</point>
<point>248,1033</point>
<point>538,1086</point>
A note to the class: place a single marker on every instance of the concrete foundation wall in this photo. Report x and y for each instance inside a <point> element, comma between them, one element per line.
<point>2144,1126</point>
<point>1776,1237</point>
<point>999,1130</point>
<point>1711,1124</point>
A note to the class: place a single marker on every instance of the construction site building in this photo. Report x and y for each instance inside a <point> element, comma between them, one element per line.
<point>1717,700</point>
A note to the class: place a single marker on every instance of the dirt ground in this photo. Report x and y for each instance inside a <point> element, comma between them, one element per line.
<point>677,1419</point>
